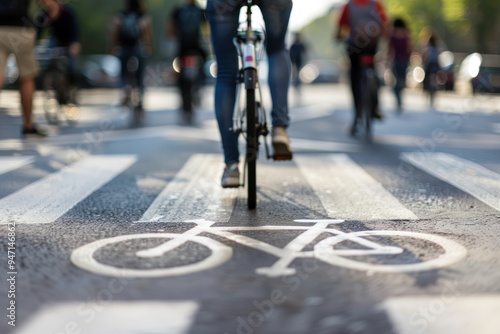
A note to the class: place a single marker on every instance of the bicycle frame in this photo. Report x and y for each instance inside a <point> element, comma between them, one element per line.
<point>324,250</point>
<point>368,91</point>
<point>249,44</point>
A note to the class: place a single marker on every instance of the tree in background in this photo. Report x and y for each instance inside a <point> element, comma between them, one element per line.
<point>475,21</point>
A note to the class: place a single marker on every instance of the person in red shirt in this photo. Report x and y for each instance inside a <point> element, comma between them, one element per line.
<point>362,23</point>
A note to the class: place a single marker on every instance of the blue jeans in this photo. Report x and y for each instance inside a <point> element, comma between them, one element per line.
<point>223,17</point>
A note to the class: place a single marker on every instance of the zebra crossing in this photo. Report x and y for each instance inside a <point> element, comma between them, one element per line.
<point>344,188</point>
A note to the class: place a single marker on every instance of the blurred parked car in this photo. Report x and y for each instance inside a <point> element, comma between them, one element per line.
<point>319,71</point>
<point>11,72</point>
<point>445,77</point>
<point>100,71</point>
<point>479,73</point>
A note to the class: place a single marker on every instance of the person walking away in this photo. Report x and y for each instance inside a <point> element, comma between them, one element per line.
<point>185,26</point>
<point>64,33</point>
<point>363,22</point>
<point>17,36</point>
<point>430,59</point>
<point>298,53</point>
<point>223,18</point>
<point>132,41</point>
<point>399,52</point>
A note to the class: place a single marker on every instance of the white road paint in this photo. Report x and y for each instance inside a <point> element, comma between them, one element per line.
<point>448,312</point>
<point>8,164</point>
<point>194,192</point>
<point>83,257</point>
<point>496,127</point>
<point>110,317</point>
<point>465,175</point>
<point>346,191</point>
<point>49,198</point>
<point>324,250</point>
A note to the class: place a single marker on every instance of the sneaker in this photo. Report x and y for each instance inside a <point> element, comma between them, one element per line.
<point>281,144</point>
<point>34,132</point>
<point>231,176</point>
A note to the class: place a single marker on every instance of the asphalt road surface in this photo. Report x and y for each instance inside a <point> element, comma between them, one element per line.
<point>109,229</point>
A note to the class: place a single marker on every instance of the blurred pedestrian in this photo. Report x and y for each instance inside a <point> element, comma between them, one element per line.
<point>132,41</point>
<point>399,52</point>
<point>430,58</point>
<point>185,26</point>
<point>298,54</point>
<point>17,36</point>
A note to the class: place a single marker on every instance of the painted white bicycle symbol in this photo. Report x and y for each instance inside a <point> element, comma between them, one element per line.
<point>324,250</point>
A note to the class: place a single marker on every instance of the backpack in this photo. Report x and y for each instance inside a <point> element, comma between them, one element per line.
<point>130,32</point>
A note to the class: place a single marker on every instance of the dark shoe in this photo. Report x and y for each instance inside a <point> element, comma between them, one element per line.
<point>281,144</point>
<point>34,132</point>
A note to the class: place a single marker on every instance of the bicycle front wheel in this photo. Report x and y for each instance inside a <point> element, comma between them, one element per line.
<point>367,99</point>
<point>452,253</point>
<point>251,149</point>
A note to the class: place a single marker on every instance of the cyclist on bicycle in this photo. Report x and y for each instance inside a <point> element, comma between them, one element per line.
<point>223,18</point>
<point>185,26</point>
<point>132,40</point>
<point>364,23</point>
<point>64,32</point>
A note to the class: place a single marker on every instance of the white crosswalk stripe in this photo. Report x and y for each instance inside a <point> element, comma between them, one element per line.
<point>347,191</point>
<point>8,164</point>
<point>138,317</point>
<point>467,176</point>
<point>344,188</point>
<point>195,192</point>
<point>445,313</point>
<point>49,198</point>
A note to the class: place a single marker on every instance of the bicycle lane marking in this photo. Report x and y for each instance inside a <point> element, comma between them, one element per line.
<point>8,164</point>
<point>122,317</point>
<point>346,191</point>
<point>465,175</point>
<point>445,313</point>
<point>195,191</point>
<point>83,257</point>
<point>62,190</point>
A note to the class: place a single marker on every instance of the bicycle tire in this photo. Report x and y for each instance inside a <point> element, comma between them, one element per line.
<point>367,103</point>
<point>454,252</point>
<point>251,149</point>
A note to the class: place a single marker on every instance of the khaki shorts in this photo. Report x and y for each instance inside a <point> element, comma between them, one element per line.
<point>19,41</point>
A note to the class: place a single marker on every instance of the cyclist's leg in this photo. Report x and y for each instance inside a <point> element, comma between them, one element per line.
<point>276,14</point>
<point>223,18</point>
